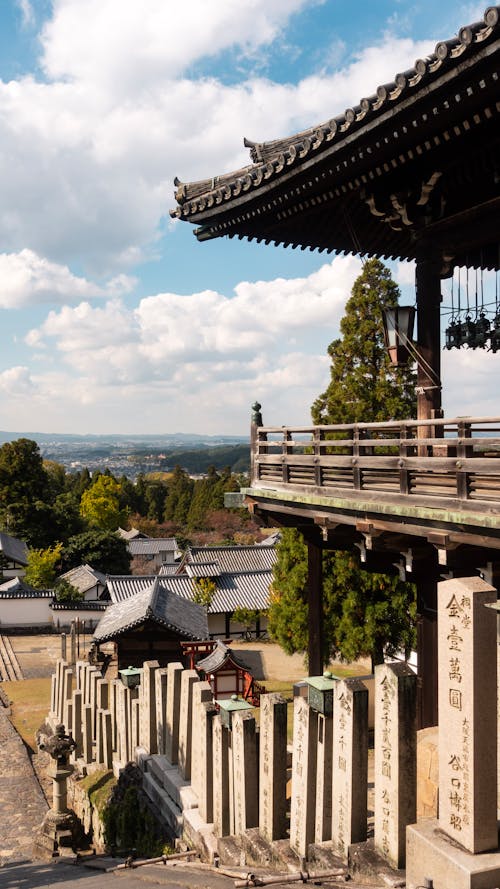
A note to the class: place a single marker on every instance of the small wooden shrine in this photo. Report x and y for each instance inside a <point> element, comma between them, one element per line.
<point>227,674</point>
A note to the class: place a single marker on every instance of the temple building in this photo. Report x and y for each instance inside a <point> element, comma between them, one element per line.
<point>411,172</point>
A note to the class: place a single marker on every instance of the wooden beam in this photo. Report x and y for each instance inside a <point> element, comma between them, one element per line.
<point>315,611</point>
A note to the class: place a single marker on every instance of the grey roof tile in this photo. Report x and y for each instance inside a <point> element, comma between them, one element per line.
<point>231,559</point>
<point>13,548</point>
<point>248,589</point>
<point>152,546</point>
<point>157,604</point>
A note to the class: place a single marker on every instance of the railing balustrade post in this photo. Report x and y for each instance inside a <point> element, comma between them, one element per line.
<point>357,480</point>
<point>317,439</point>
<point>285,450</point>
<point>463,451</point>
<point>404,475</point>
<point>256,437</point>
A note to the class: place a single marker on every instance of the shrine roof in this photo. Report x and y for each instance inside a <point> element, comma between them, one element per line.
<point>219,658</point>
<point>159,605</point>
<point>419,113</point>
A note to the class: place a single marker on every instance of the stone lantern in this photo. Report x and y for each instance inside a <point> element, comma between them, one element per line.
<point>320,693</point>
<point>60,827</point>
<point>229,706</point>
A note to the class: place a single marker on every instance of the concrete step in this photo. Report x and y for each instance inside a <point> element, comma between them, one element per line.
<point>170,779</point>
<point>170,813</point>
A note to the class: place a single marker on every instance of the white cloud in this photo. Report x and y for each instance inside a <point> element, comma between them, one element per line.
<point>87,159</point>
<point>470,385</point>
<point>16,382</point>
<point>131,44</point>
<point>29,279</point>
<point>27,13</point>
<point>203,355</point>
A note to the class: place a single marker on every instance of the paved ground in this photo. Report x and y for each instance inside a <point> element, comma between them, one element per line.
<point>24,875</point>
<point>22,803</point>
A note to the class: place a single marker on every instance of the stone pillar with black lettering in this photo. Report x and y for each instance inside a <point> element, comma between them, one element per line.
<point>350,765</point>
<point>272,766</point>
<point>395,759</point>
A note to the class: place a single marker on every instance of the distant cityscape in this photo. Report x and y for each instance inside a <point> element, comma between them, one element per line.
<point>131,455</point>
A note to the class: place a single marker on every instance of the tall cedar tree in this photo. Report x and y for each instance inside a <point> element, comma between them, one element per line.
<point>364,386</point>
<point>365,614</point>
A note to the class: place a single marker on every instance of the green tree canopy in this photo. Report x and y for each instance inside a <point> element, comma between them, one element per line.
<point>66,592</point>
<point>364,386</point>
<point>43,566</point>
<point>180,492</point>
<point>103,550</point>
<point>100,504</point>
<point>365,614</point>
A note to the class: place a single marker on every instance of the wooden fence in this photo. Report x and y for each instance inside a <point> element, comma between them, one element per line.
<point>430,462</point>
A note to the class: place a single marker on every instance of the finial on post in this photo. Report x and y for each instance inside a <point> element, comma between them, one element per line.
<point>256,414</point>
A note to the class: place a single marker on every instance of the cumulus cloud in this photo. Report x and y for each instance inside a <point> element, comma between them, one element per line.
<point>16,382</point>
<point>172,36</point>
<point>29,279</point>
<point>88,157</point>
<point>204,353</point>
<point>27,13</point>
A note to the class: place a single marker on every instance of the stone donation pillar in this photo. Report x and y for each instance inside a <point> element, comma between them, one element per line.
<point>446,850</point>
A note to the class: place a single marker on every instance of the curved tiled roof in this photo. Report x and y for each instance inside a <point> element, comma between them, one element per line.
<point>218,658</point>
<point>231,559</point>
<point>157,604</point>
<point>270,159</point>
<point>248,589</point>
<point>431,104</point>
<point>140,546</point>
<point>84,577</point>
<point>16,588</point>
<point>13,548</point>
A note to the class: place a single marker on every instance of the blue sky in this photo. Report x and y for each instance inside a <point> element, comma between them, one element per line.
<point>113,318</point>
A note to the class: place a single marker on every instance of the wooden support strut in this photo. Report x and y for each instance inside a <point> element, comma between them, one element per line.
<point>315,611</point>
<point>428,289</point>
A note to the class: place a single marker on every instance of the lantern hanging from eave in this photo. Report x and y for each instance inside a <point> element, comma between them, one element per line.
<point>398,333</point>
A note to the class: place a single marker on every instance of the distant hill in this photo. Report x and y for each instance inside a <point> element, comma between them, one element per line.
<point>132,454</point>
<point>179,439</point>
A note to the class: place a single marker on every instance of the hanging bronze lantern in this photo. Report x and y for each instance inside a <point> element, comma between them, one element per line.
<point>398,333</point>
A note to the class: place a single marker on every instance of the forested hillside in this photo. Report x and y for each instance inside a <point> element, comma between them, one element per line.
<point>74,516</point>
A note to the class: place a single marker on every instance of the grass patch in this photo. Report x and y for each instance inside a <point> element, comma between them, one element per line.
<point>99,786</point>
<point>30,704</point>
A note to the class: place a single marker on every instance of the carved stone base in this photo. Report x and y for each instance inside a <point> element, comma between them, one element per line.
<point>431,854</point>
<point>59,834</point>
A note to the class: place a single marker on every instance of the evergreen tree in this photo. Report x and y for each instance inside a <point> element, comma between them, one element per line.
<point>180,492</point>
<point>103,550</point>
<point>365,614</point>
<point>364,386</point>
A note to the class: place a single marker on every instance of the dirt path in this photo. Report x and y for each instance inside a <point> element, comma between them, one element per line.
<point>268,661</point>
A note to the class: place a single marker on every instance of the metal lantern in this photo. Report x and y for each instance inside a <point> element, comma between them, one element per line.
<point>131,676</point>
<point>495,334</point>
<point>398,332</point>
<point>228,707</point>
<point>320,695</point>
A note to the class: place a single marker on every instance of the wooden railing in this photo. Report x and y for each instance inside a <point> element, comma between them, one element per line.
<point>431,462</point>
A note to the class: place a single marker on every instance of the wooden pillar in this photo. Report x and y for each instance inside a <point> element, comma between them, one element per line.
<point>428,288</point>
<point>427,686</point>
<point>315,598</point>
